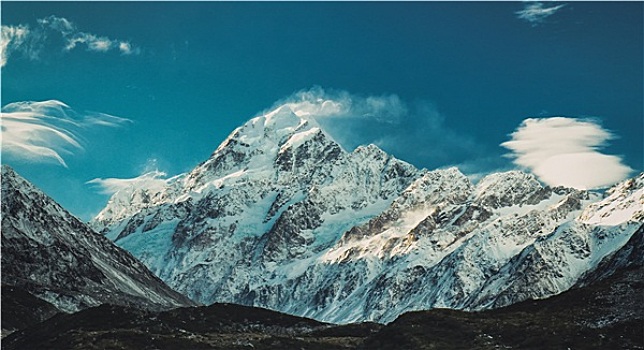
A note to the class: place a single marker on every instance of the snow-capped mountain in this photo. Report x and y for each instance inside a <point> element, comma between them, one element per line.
<point>56,257</point>
<point>281,216</point>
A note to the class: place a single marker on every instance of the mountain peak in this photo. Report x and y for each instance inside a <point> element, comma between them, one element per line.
<point>9,173</point>
<point>282,117</point>
<point>369,149</point>
<point>6,168</point>
<point>273,127</point>
<point>21,189</point>
<point>510,188</point>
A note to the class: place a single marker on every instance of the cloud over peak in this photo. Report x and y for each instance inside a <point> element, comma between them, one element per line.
<point>47,131</point>
<point>321,103</point>
<point>416,131</point>
<point>31,41</point>
<point>563,151</point>
<point>536,12</point>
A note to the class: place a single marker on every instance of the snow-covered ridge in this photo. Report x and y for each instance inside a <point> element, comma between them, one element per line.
<point>624,203</point>
<point>280,216</point>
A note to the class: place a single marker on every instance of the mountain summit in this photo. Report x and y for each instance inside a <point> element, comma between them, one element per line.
<point>281,216</point>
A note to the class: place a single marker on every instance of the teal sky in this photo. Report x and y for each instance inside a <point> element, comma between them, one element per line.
<point>466,73</point>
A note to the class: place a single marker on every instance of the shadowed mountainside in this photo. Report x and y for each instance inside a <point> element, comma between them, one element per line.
<point>54,256</point>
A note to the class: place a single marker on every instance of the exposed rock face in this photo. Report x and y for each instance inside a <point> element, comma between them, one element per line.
<point>630,255</point>
<point>56,257</point>
<point>280,216</point>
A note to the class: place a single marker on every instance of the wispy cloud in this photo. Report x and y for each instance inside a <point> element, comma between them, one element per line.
<point>127,49</point>
<point>47,131</point>
<point>13,38</point>
<point>152,181</point>
<point>415,132</point>
<point>537,12</point>
<point>321,103</point>
<point>564,151</point>
<point>31,41</point>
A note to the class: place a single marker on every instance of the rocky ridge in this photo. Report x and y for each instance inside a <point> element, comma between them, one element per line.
<point>51,254</point>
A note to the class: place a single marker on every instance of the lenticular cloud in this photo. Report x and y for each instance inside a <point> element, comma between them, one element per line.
<point>152,181</point>
<point>564,152</point>
<point>47,131</point>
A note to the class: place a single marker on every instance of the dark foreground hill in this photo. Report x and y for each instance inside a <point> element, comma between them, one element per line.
<point>219,326</point>
<point>20,309</point>
<point>609,315</point>
<point>604,315</point>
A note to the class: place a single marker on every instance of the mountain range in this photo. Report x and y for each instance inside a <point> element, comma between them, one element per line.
<point>282,217</point>
<point>337,243</point>
<point>603,309</point>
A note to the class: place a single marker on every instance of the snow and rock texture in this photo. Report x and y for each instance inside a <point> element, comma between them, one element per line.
<point>56,257</point>
<point>280,216</point>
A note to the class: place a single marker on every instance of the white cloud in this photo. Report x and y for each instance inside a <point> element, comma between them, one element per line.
<point>59,24</point>
<point>31,41</point>
<point>152,181</point>
<point>535,12</point>
<point>99,44</point>
<point>11,38</point>
<point>416,133</point>
<point>127,49</point>
<point>46,131</point>
<point>564,152</point>
<point>93,43</point>
<point>320,103</point>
